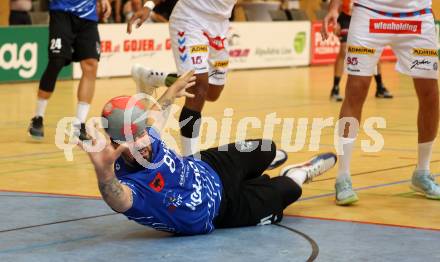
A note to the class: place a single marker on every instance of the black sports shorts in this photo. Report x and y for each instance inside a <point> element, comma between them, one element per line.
<point>249,197</point>
<point>73,38</point>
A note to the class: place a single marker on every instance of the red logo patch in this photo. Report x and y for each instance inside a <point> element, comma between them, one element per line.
<point>158,183</point>
<point>217,42</point>
<point>393,26</point>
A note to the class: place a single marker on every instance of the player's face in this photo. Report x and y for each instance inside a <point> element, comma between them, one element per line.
<point>142,145</point>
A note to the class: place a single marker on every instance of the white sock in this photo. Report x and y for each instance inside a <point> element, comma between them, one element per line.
<point>41,107</point>
<point>297,175</point>
<point>82,110</point>
<point>424,155</point>
<point>347,145</point>
<point>190,146</point>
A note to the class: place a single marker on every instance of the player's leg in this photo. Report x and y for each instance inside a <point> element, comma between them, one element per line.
<point>342,30</point>
<point>381,90</point>
<point>218,63</point>
<point>60,54</point>
<point>87,52</point>
<point>261,200</point>
<point>244,160</point>
<point>338,70</point>
<point>363,53</point>
<point>418,57</point>
<point>427,123</point>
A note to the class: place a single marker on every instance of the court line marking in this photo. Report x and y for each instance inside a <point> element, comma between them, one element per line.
<point>360,189</point>
<point>365,222</point>
<point>312,242</point>
<point>53,194</point>
<point>377,170</point>
<point>45,245</point>
<point>56,222</point>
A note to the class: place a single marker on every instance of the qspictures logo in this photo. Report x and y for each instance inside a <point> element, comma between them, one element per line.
<point>392,26</point>
<point>22,58</point>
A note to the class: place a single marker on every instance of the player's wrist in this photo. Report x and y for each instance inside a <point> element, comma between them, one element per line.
<point>149,5</point>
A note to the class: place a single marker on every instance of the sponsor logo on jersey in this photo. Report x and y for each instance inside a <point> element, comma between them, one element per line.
<point>196,195</point>
<point>218,43</point>
<point>392,26</point>
<point>158,183</point>
<point>422,64</point>
<point>199,49</point>
<point>425,52</point>
<point>224,63</point>
<point>360,50</point>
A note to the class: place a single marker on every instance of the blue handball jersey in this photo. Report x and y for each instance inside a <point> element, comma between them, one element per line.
<point>180,195</point>
<point>85,9</point>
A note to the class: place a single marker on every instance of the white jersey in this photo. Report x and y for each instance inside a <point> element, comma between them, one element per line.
<point>396,6</point>
<point>218,8</point>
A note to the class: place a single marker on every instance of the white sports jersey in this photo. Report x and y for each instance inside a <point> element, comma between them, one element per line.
<point>219,8</point>
<point>396,6</point>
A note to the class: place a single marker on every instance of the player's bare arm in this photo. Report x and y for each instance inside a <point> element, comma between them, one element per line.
<point>161,109</point>
<point>106,9</point>
<point>331,18</point>
<point>140,16</point>
<point>115,194</point>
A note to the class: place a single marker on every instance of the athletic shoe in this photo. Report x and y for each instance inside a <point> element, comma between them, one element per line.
<point>81,132</point>
<point>344,192</point>
<point>36,128</point>
<point>423,182</point>
<point>316,166</point>
<point>280,158</point>
<point>334,95</point>
<point>382,92</point>
<point>147,79</point>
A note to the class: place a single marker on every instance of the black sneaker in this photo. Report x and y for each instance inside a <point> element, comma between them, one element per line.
<point>36,129</point>
<point>334,95</point>
<point>81,132</point>
<point>382,92</point>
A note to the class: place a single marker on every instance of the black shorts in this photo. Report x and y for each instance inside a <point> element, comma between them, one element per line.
<point>73,38</point>
<point>249,197</point>
<point>344,23</point>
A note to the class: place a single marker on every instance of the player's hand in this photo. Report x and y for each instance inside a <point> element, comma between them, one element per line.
<point>103,159</point>
<point>331,19</point>
<point>184,82</point>
<point>106,9</point>
<point>139,18</point>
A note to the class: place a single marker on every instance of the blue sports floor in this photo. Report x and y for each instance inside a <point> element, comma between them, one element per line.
<point>61,228</point>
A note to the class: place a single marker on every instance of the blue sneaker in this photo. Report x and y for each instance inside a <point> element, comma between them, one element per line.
<point>344,192</point>
<point>316,166</point>
<point>280,158</point>
<point>423,182</point>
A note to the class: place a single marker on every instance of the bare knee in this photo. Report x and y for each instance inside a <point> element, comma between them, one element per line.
<point>200,91</point>
<point>357,90</point>
<point>214,92</point>
<point>427,90</point>
<point>89,67</point>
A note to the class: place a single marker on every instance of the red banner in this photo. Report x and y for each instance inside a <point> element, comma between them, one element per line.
<point>325,52</point>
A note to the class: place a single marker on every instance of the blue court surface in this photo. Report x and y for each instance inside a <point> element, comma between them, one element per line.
<point>36,227</point>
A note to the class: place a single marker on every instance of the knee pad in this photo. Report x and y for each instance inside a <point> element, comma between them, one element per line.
<point>50,75</point>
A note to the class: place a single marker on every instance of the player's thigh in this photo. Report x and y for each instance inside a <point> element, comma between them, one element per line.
<point>344,25</point>
<point>216,35</point>
<point>259,201</point>
<point>61,35</point>
<point>363,48</point>
<point>189,46</point>
<point>87,43</point>
<point>417,53</point>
